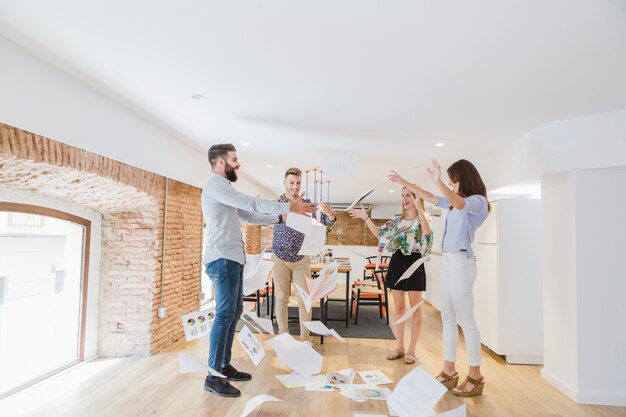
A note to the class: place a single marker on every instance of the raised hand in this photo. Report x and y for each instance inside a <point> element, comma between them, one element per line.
<point>360,213</point>
<point>326,209</point>
<point>435,172</point>
<point>300,207</point>
<point>395,177</point>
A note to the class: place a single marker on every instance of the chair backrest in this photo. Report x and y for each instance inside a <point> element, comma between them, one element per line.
<point>381,278</point>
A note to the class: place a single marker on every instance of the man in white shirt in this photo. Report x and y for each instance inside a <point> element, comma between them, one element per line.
<point>224,257</point>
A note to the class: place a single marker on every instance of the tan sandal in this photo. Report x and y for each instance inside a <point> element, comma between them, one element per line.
<point>448,381</point>
<point>463,391</point>
<point>396,354</point>
<point>409,358</point>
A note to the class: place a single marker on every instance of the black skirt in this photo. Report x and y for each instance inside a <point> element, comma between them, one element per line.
<point>398,265</point>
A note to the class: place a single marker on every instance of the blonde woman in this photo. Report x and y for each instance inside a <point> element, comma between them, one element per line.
<point>409,237</point>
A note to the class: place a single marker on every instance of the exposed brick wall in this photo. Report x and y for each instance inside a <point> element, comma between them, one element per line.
<point>132,202</point>
<point>252,239</point>
<point>183,249</point>
<point>355,232</point>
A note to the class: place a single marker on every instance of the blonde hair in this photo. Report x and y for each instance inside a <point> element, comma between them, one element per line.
<point>402,214</point>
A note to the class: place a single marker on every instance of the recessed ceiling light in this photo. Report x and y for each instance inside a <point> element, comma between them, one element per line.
<point>197,97</point>
<point>245,144</point>
<point>440,144</point>
<point>391,191</point>
<point>269,166</point>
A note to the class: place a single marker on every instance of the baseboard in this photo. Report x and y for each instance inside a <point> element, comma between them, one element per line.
<point>558,384</point>
<point>591,398</point>
<point>524,360</point>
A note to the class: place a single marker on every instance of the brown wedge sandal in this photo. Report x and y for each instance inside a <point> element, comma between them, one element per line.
<point>448,381</point>
<point>462,390</point>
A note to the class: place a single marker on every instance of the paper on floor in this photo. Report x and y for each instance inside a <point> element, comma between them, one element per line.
<point>416,394</point>
<point>409,312</point>
<point>365,392</point>
<point>295,380</point>
<point>188,364</point>
<point>299,356</point>
<point>369,415</point>
<point>345,376</point>
<point>319,328</point>
<point>256,402</point>
<point>251,345</point>
<point>263,323</point>
<point>375,377</point>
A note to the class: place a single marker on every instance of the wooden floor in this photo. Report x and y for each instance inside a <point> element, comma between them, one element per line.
<point>152,386</point>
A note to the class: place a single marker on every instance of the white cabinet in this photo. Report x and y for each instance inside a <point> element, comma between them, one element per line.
<point>508,290</point>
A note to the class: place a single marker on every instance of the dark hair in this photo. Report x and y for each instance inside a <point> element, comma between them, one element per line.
<point>470,182</point>
<point>293,171</point>
<point>220,151</point>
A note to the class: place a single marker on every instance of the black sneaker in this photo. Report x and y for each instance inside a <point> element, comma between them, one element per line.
<point>221,387</point>
<point>234,375</point>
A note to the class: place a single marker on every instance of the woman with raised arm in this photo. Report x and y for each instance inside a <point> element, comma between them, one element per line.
<point>409,238</point>
<point>468,208</point>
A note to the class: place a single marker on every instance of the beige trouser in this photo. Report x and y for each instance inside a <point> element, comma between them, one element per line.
<point>283,274</point>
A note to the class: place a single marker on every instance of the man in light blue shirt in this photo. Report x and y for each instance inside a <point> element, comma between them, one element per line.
<point>223,207</point>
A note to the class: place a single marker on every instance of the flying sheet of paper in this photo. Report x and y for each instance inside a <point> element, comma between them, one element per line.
<point>319,328</point>
<point>299,222</point>
<point>325,283</point>
<point>188,364</point>
<point>295,380</point>
<point>256,279</point>
<point>415,394</point>
<point>409,312</point>
<point>306,298</point>
<point>360,198</point>
<point>298,356</point>
<point>339,166</point>
<point>263,323</point>
<point>365,392</point>
<point>251,345</point>
<point>198,323</point>
<point>413,268</point>
<point>375,377</point>
<point>256,402</point>
<point>313,242</point>
<point>460,411</point>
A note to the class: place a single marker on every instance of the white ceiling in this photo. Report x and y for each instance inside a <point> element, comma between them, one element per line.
<point>302,79</point>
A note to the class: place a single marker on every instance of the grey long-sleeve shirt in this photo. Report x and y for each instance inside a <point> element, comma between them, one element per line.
<point>222,208</point>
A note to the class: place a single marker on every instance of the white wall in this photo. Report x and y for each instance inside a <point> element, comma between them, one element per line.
<point>584,284</point>
<point>585,143</point>
<point>560,350</point>
<point>93,285</point>
<point>601,282</point>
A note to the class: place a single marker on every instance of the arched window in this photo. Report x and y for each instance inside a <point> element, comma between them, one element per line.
<point>44,259</point>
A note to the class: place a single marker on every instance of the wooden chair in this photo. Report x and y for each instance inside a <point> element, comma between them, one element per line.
<point>370,264</point>
<point>371,293</point>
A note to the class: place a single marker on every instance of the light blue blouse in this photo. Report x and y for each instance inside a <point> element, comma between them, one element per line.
<point>458,233</point>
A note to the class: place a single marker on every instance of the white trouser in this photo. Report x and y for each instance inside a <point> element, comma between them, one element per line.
<point>457,304</point>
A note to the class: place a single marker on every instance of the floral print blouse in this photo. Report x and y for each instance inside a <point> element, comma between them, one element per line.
<point>406,236</point>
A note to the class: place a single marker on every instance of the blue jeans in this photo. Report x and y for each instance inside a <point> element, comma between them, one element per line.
<point>227,277</point>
